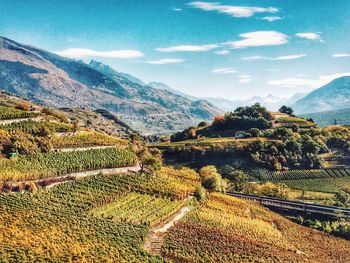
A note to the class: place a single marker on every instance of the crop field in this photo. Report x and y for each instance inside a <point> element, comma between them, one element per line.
<point>226,229</point>
<point>327,185</point>
<point>212,141</point>
<point>138,208</point>
<point>35,127</point>
<point>302,174</point>
<point>86,139</point>
<point>56,225</point>
<point>7,113</point>
<point>56,164</point>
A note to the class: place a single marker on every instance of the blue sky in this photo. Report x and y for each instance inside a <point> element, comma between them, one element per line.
<point>233,49</point>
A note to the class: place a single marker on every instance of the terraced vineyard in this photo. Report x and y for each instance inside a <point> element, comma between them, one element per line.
<point>56,164</point>
<point>327,185</point>
<point>34,127</point>
<point>226,229</point>
<point>7,113</point>
<point>86,139</point>
<point>301,174</point>
<point>138,208</point>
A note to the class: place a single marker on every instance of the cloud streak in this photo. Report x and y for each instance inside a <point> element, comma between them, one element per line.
<point>303,82</point>
<point>82,53</point>
<point>271,18</point>
<point>188,48</point>
<point>287,57</point>
<point>231,10</point>
<point>310,36</point>
<point>165,61</point>
<point>244,79</point>
<point>341,55</point>
<point>223,71</point>
<point>258,39</point>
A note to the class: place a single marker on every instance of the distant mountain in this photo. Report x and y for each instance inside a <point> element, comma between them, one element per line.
<point>341,117</point>
<point>57,81</point>
<point>333,96</point>
<point>271,102</point>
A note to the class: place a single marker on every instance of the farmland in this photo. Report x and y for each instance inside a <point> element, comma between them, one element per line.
<point>328,185</point>
<point>226,229</point>
<point>89,220</point>
<point>55,164</point>
<point>138,208</point>
<point>86,139</point>
<point>12,113</point>
<point>301,174</point>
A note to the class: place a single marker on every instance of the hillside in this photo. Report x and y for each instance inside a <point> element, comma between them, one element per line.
<point>53,80</point>
<point>71,192</point>
<point>107,218</point>
<point>325,118</point>
<point>333,96</point>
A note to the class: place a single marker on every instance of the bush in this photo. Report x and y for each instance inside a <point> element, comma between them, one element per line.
<point>200,193</point>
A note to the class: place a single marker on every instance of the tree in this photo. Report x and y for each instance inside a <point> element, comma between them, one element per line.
<point>255,132</point>
<point>295,128</point>
<point>237,178</point>
<point>202,124</point>
<point>287,110</point>
<point>211,179</point>
<point>200,193</point>
<point>149,163</point>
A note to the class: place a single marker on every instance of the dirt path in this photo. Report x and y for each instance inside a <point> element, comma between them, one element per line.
<point>155,238</point>
<point>53,181</point>
<point>4,122</point>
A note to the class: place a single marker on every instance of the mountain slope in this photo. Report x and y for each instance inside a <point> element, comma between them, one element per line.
<point>333,96</point>
<point>53,80</point>
<point>326,118</point>
<point>160,85</point>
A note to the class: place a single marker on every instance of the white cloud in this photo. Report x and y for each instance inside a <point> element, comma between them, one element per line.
<point>165,61</point>
<point>271,18</point>
<point>82,52</point>
<point>309,36</point>
<point>177,9</point>
<point>234,11</point>
<point>311,83</point>
<point>222,52</point>
<point>259,38</point>
<point>244,79</point>
<point>188,48</point>
<point>287,57</point>
<point>341,55</point>
<point>223,71</point>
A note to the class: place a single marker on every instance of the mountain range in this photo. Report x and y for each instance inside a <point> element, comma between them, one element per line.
<point>53,80</point>
<point>270,101</point>
<point>150,108</point>
<point>332,96</point>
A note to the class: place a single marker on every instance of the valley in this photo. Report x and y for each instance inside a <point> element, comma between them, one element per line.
<point>174,131</point>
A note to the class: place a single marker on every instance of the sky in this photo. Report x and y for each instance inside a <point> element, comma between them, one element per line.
<point>234,49</point>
